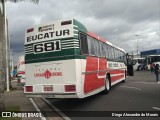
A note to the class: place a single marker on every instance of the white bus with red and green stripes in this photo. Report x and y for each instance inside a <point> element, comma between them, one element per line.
<point>21,70</point>
<point>64,60</point>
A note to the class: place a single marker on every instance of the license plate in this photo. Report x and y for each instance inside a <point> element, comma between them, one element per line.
<point>48,88</point>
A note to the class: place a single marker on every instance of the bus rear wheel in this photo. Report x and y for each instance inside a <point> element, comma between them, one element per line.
<point>107,86</point>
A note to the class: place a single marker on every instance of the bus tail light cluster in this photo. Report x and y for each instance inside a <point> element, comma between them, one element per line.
<point>66,22</point>
<point>30,30</point>
<point>70,88</point>
<point>29,88</point>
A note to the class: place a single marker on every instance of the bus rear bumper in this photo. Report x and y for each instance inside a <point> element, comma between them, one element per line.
<point>47,95</point>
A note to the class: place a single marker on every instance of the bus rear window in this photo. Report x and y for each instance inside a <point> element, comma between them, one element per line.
<point>84,44</point>
<point>66,22</point>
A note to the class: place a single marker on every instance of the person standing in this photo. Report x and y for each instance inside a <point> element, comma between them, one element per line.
<point>151,67</point>
<point>157,72</point>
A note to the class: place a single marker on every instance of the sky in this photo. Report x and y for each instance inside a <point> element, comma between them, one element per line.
<point>117,21</point>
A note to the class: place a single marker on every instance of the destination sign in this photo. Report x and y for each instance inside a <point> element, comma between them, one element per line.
<point>50,31</point>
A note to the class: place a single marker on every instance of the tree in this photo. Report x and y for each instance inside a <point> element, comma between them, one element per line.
<point>15,1</point>
<point>2,106</point>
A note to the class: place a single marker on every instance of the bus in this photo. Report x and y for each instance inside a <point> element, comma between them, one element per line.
<point>139,63</point>
<point>153,59</point>
<point>64,60</point>
<point>21,70</point>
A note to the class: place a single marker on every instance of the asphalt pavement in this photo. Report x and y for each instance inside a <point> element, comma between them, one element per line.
<point>140,93</point>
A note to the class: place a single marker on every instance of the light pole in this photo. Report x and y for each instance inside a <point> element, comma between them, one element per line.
<point>7,49</point>
<point>7,64</point>
<point>137,43</point>
<point>8,61</point>
<point>11,62</point>
<point>10,57</point>
<point>10,41</point>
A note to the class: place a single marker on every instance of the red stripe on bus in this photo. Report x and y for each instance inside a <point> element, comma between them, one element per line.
<point>97,37</point>
<point>114,78</point>
<point>21,72</point>
<point>116,71</point>
<point>91,80</point>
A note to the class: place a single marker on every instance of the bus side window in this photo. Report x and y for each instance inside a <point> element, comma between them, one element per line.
<point>96,47</point>
<point>124,57</point>
<point>103,50</point>
<point>112,53</point>
<point>106,49</point>
<point>116,54</point>
<point>84,44</point>
<point>109,52</point>
<point>91,46</point>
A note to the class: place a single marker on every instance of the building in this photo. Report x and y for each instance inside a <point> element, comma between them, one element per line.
<point>152,56</point>
<point>151,52</point>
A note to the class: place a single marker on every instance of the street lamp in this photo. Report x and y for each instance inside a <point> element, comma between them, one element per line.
<point>11,63</point>
<point>8,61</point>
<point>10,57</point>
<point>137,43</point>
<point>10,41</point>
<point>7,47</point>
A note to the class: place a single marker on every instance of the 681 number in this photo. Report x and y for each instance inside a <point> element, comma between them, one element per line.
<point>47,47</point>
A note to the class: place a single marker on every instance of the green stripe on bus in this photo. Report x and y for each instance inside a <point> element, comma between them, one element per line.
<point>76,32</point>
<point>81,27</point>
<point>67,57</point>
<point>75,36</point>
<point>70,38</point>
<point>65,44</point>
<point>53,54</point>
<point>75,27</point>
<point>70,50</point>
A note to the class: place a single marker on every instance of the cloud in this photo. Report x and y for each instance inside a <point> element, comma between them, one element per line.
<point>115,20</point>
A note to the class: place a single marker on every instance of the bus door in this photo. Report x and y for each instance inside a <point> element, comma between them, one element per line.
<point>101,74</point>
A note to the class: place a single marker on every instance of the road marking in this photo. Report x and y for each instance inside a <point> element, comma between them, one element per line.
<point>131,87</point>
<point>156,108</point>
<point>57,110</point>
<point>149,83</point>
<point>36,107</point>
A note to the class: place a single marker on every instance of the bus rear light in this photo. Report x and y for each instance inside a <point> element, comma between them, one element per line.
<point>66,22</point>
<point>70,88</point>
<point>29,88</point>
<point>30,30</point>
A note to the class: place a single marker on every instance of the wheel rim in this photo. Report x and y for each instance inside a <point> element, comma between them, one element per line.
<point>107,84</point>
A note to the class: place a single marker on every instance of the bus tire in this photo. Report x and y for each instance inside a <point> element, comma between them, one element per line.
<point>123,81</point>
<point>107,85</point>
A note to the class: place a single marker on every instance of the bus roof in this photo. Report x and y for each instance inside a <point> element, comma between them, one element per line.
<point>42,31</point>
<point>103,40</point>
<point>154,55</point>
<point>138,58</point>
